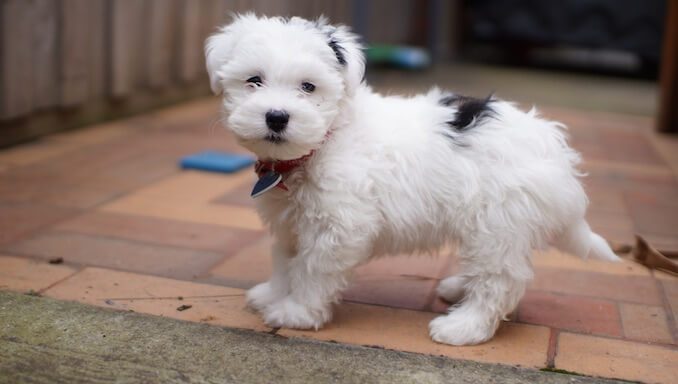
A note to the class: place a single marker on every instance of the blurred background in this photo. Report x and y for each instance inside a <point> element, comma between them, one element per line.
<point>68,63</point>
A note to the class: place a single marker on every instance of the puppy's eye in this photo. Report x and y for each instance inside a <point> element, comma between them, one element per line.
<point>256,80</point>
<point>307,87</point>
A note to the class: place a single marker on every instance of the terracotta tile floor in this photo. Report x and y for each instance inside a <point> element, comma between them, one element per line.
<point>135,232</point>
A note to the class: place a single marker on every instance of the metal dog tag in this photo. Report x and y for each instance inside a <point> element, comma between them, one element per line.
<point>266,183</point>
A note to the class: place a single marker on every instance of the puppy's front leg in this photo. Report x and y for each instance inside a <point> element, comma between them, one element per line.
<point>277,287</point>
<point>317,274</point>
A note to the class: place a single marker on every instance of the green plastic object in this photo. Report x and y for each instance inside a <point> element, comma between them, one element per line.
<point>398,56</point>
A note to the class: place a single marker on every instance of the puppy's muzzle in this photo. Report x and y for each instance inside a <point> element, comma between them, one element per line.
<point>276,120</point>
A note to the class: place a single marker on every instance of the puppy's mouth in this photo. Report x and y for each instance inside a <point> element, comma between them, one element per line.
<point>274,138</point>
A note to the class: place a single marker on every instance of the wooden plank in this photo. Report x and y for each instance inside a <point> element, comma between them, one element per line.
<point>242,6</point>
<point>97,32</point>
<point>126,45</point>
<point>668,110</point>
<point>210,17</point>
<point>191,48</point>
<point>340,12</point>
<point>74,52</point>
<point>16,56</point>
<point>45,64</point>
<point>161,41</point>
<point>226,8</point>
<point>272,8</point>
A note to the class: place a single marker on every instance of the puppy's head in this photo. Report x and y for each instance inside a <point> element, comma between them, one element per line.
<point>282,80</point>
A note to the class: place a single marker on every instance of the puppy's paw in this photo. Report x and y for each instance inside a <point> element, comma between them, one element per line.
<point>461,329</point>
<point>290,314</point>
<point>262,295</point>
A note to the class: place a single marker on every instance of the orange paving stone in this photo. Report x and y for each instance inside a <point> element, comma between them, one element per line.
<point>158,296</point>
<point>18,220</point>
<point>637,289</point>
<point>21,274</point>
<point>56,145</point>
<point>606,200</point>
<point>556,259</point>
<point>249,266</point>
<point>118,254</point>
<point>160,231</point>
<point>187,196</point>
<point>645,323</point>
<point>570,312</point>
<point>405,330</point>
<point>615,227</point>
<point>238,196</point>
<point>670,287</point>
<point>611,358</point>
<point>398,281</point>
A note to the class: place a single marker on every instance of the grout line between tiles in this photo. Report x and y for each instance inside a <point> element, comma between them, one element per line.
<point>670,320</point>
<point>552,351</point>
<point>77,271</point>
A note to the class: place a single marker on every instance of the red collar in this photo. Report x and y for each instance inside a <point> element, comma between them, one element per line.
<point>280,166</point>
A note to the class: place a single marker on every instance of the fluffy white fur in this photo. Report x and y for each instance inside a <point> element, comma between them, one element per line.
<point>389,175</point>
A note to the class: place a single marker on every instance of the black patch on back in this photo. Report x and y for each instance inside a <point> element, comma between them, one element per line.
<point>469,110</point>
<point>338,51</point>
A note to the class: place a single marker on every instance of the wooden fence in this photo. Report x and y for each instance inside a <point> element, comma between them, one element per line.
<point>60,57</point>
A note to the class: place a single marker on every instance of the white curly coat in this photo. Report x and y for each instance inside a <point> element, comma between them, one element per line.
<point>389,175</point>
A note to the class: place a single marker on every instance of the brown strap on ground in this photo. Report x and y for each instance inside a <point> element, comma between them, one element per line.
<point>647,255</point>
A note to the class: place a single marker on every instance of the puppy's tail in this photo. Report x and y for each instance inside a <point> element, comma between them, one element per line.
<point>579,240</point>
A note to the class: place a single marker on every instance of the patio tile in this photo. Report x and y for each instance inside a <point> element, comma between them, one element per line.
<point>619,359</point>
<point>87,176</point>
<point>17,220</point>
<point>189,187</point>
<point>158,296</point>
<point>645,323</point>
<point>238,196</point>
<point>632,147</point>
<point>96,134</point>
<point>118,254</point>
<point>636,289</point>
<point>606,199</point>
<point>161,231</point>
<point>662,243</point>
<point>574,313</point>
<point>249,266</point>
<point>404,330</point>
<point>397,281</point>
<point>653,214</point>
<point>224,215</point>
<point>666,145</point>
<point>186,197</point>
<point>21,274</point>
<point>34,152</point>
<point>670,286</point>
<point>392,292</point>
<point>613,227</point>
<point>554,258</point>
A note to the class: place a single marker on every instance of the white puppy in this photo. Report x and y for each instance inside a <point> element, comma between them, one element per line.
<point>347,175</point>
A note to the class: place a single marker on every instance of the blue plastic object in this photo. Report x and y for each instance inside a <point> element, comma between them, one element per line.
<point>214,161</point>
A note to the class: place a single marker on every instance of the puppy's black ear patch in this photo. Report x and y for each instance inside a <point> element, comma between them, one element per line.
<point>339,51</point>
<point>469,110</point>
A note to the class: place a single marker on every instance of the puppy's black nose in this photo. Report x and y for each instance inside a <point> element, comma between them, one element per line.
<point>277,120</point>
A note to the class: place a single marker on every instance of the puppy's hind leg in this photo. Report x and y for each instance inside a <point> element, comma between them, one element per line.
<point>496,272</point>
<point>453,288</point>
